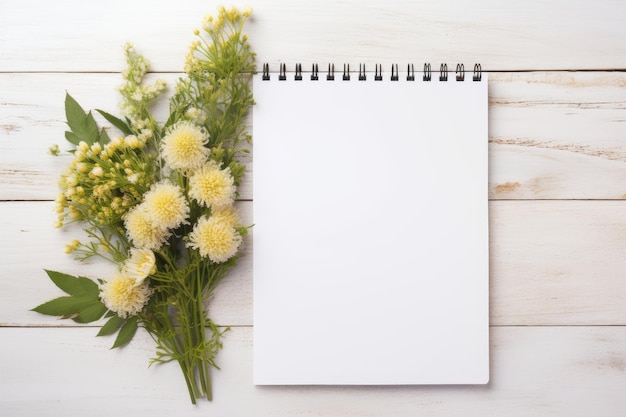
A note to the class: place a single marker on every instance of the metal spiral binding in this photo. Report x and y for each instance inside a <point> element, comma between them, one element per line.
<point>394,72</point>
<point>460,72</point>
<point>443,72</point>
<point>298,76</point>
<point>362,76</point>
<point>477,72</point>
<point>427,72</point>
<point>266,72</point>
<point>378,73</point>
<point>410,72</point>
<point>314,72</point>
<point>331,72</point>
<point>346,72</point>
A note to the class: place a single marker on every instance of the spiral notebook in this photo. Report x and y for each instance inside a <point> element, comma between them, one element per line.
<point>371,246</point>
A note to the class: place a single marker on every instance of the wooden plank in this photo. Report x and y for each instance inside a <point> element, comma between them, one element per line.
<point>553,135</point>
<point>557,135</point>
<point>33,119</point>
<point>552,263</point>
<point>557,262</point>
<point>31,245</point>
<point>562,371</point>
<point>560,34</point>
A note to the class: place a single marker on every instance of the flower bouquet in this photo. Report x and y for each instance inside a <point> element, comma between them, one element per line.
<point>157,200</point>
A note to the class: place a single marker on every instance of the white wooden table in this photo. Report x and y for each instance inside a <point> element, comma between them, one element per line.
<point>557,132</point>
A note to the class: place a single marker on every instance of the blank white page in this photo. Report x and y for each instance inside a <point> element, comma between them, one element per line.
<point>370,232</point>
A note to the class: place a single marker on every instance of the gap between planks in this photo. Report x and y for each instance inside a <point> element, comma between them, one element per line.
<point>245,326</point>
<point>483,70</point>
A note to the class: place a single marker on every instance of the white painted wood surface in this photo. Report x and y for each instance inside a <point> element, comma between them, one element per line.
<point>557,216</point>
<point>537,371</point>
<point>554,135</point>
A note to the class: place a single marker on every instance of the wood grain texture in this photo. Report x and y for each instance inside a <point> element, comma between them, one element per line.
<point>557,135</point>
<point>566,371</point>
<point>555,34</point>
<point>557,293</point>
<point>552,263</point>
<point>553,135</point>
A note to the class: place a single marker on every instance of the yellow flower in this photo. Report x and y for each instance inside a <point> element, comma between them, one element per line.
<point>71,247</point>
<point>97,171</point>
<point>142,231</point>
<point>212,186</point>
<point>54,150</point>
<point>218,240</point>
<point>81,167</point>
<point>114,144</point>
<point>195,115</point>
<point>166,205</point>
<point>71,180</point>
<point>140,264</point>
<point>226,215</point>
<point>183,147</point>
<point>133,142</point>
<point>123,295</point>
<point>96,148</point>
<point>74,212</point>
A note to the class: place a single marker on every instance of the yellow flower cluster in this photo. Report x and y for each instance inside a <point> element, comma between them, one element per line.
<point>103,182</point>
<point>215,235</point>
<point>137,95</point>
<point>149,224</point>
<point>71,247</point>
<point>165,207</point>
<point>140,265</point>
<point>215,238</point>
<point>127,292</point>
<point>142,231</point>
<point>184,147</point>
<point>223,30</point>
<point>159,201</point>
<point>124,296</point>
<point>213,187</point>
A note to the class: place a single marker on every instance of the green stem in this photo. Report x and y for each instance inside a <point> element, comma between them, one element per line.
<point>188,382</point>
<point>182,336</point>
<point>203,371</point>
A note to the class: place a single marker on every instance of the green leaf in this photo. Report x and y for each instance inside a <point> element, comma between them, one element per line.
<point>89,129</point>
<point>111,326</point>
<point>64,306</point>
<point>126,332</point>
<point>119,123</point>
<point>83,304</point>
<point>77,286</point>
<point>79,309</point>
<point>73,112</point>
<point>82,124</point>
<point>72,138</point>
<point>91,312</point>
<point>104,138</point>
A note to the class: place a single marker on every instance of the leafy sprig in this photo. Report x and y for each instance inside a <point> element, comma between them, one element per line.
<point>83,126</point>
<point>109,180</point>
<point>82,304</point>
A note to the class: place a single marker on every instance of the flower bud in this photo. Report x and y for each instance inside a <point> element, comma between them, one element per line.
<point>97,171</point>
